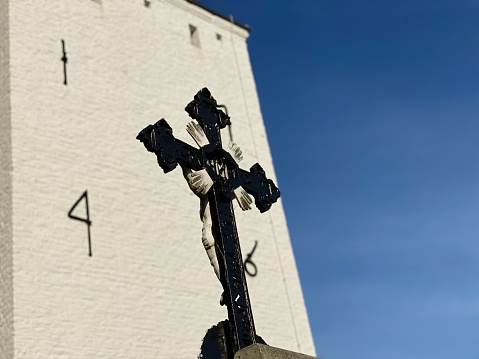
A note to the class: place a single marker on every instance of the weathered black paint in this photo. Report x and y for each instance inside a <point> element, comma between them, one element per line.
<point>227,176</point>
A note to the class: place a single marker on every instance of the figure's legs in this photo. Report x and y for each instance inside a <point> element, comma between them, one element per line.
<point>208,239</point>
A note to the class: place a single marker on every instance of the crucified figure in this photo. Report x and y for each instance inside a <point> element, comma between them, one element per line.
<point>200,182</point>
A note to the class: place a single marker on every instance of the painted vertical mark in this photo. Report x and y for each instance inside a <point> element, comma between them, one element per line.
<point>65,60</point>
<point>85,220</point>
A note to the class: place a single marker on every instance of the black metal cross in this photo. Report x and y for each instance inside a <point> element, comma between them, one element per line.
<point>227,176</point>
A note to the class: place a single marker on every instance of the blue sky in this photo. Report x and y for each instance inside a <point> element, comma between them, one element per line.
<point>372,114</point>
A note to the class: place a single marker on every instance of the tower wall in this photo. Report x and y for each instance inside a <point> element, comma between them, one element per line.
<point>148,290</point>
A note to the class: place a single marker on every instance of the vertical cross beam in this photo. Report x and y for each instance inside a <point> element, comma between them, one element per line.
<point>232,271</point>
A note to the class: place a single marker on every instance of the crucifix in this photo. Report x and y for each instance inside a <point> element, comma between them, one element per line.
<point>213,173</point>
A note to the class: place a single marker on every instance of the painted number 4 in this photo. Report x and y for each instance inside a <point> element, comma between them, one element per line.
<point>85,220</point>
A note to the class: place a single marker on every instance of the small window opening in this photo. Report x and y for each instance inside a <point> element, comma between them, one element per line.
<point>219,37</point>
<point>194,36</point>
<point>147,3</point>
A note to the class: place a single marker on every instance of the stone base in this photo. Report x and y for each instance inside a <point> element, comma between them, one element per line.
<point>260,351</point>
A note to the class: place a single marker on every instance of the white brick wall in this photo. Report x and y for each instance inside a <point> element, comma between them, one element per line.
<point>148,291</point>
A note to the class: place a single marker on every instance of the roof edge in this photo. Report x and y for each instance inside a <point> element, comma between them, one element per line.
<point>223,16</point>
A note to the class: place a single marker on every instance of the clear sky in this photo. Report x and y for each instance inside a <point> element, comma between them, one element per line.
<point>372,112</point>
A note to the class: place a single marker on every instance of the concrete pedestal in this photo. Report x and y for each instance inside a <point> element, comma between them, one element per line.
<point>260,351</point>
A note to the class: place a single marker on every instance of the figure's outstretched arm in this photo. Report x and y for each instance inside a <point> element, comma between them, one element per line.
<point>197,133</point>
<point>234,150</point>
<point>243,198</point>
<point>200,182</point>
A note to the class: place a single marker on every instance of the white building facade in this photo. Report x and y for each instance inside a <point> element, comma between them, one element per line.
<point>148,290</point>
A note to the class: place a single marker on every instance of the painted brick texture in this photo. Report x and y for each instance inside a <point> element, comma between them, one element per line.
<point>148,291</point>
<point>6,259</point>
